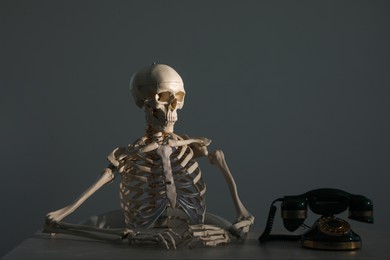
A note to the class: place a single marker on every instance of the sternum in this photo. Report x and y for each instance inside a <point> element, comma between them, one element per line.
<point>164,152</point>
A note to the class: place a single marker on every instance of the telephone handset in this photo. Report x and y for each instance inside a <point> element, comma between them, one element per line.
<point>328,232</point>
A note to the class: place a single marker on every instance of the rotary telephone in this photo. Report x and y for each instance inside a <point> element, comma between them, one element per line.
<point>328,232</point>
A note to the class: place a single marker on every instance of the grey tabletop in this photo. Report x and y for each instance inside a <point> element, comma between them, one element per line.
<point>376,245</point>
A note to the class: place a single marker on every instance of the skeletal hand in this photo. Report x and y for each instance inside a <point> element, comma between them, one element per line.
<point>55,216</point>
<point>51,222</point>
<point>165,237</point>
<point>205,235</point>
<point>241,228</point>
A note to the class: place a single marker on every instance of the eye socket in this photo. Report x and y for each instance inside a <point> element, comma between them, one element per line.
<point>180,96</point>
<point>166,96</point>
<point>163,96</point>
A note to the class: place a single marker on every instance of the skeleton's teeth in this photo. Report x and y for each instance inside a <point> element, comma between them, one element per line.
<point>171,118</point>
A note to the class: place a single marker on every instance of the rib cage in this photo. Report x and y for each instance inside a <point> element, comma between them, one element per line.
<point>143,190</point>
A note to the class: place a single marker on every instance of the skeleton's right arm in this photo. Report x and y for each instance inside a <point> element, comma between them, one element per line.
<point>106,177</point>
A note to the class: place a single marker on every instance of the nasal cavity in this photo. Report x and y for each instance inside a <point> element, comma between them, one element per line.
<point>173,104</point>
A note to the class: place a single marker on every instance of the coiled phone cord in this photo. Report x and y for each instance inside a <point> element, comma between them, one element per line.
<point>266,235</point>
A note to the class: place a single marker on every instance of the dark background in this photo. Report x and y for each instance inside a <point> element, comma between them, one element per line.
<point>296,93</point>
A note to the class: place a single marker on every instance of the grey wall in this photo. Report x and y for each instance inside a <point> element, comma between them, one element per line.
<point>295,92</point>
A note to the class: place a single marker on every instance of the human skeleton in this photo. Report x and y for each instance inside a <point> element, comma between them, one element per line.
<point>162,189</point>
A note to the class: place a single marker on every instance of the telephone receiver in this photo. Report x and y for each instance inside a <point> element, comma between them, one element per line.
<point>328,232</point>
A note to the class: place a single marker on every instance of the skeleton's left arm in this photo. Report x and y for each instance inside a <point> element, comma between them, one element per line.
<point>244,218</point>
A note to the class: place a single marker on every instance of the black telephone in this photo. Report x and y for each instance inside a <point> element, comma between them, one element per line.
<point>328,232</point>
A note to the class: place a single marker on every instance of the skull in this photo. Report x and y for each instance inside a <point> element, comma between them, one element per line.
<point>160,90</point>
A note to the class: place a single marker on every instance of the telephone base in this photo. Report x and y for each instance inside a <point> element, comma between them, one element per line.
<point>326,245</point>
<point>331,233</point>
